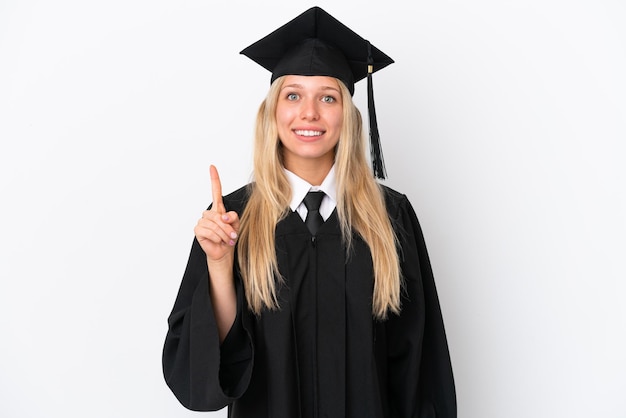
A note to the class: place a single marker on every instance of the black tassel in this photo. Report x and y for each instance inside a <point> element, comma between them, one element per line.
<point>378,164</point>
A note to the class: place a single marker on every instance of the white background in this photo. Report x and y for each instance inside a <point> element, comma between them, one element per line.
<point>503,121</point>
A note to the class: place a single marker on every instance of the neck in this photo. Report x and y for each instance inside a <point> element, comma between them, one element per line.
<point>313,171</point>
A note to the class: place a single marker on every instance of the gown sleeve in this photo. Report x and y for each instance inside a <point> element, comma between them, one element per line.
<point>421,383</point>
<point>203,375</point>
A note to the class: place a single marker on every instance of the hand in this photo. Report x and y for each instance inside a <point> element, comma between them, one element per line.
<point>217,230</point>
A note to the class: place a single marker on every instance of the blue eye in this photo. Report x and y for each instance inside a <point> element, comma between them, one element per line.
<point>292,96</point>
<point>328,99</point>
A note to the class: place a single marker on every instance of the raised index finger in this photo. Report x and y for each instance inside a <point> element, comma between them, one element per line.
<point>216,186</point>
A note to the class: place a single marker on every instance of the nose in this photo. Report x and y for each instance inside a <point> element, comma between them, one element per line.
<point>309,110</point>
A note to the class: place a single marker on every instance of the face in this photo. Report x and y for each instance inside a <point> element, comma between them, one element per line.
<point>309,116</point>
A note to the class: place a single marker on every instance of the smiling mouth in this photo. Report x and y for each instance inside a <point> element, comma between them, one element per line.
<point>308,133</point>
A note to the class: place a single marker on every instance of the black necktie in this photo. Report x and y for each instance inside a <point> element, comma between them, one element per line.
<point>313,219</point>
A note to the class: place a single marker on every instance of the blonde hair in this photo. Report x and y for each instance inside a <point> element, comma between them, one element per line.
<point>360,208</point>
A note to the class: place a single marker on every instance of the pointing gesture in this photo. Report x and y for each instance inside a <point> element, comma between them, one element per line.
<point>217,230</point>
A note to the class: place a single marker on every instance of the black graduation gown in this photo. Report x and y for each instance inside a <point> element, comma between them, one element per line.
<point>321,354</point>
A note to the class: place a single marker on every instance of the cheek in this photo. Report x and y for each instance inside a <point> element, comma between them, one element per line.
<point>282,128</point>
<point>283,117</point>
<point>284,109</point>
<point>337,122</point>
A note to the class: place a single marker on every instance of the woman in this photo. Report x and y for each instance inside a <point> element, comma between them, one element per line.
<point>293,309</point>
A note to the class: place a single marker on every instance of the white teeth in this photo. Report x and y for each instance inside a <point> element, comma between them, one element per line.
<point>308,133</point>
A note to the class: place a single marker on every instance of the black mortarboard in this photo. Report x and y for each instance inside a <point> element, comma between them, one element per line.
<point>315,43</point>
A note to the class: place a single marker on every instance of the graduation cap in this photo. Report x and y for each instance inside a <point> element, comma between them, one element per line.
<point>315,43</point>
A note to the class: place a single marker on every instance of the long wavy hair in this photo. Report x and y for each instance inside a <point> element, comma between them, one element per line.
<point>360,208</point>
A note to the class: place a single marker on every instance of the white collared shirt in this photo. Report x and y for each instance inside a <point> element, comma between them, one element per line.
<point>300,187</point>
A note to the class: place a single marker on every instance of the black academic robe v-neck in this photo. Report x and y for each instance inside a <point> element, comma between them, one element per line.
<point>321,354</point>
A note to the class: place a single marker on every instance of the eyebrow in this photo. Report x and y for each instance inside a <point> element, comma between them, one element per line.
<point>300,86</point>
